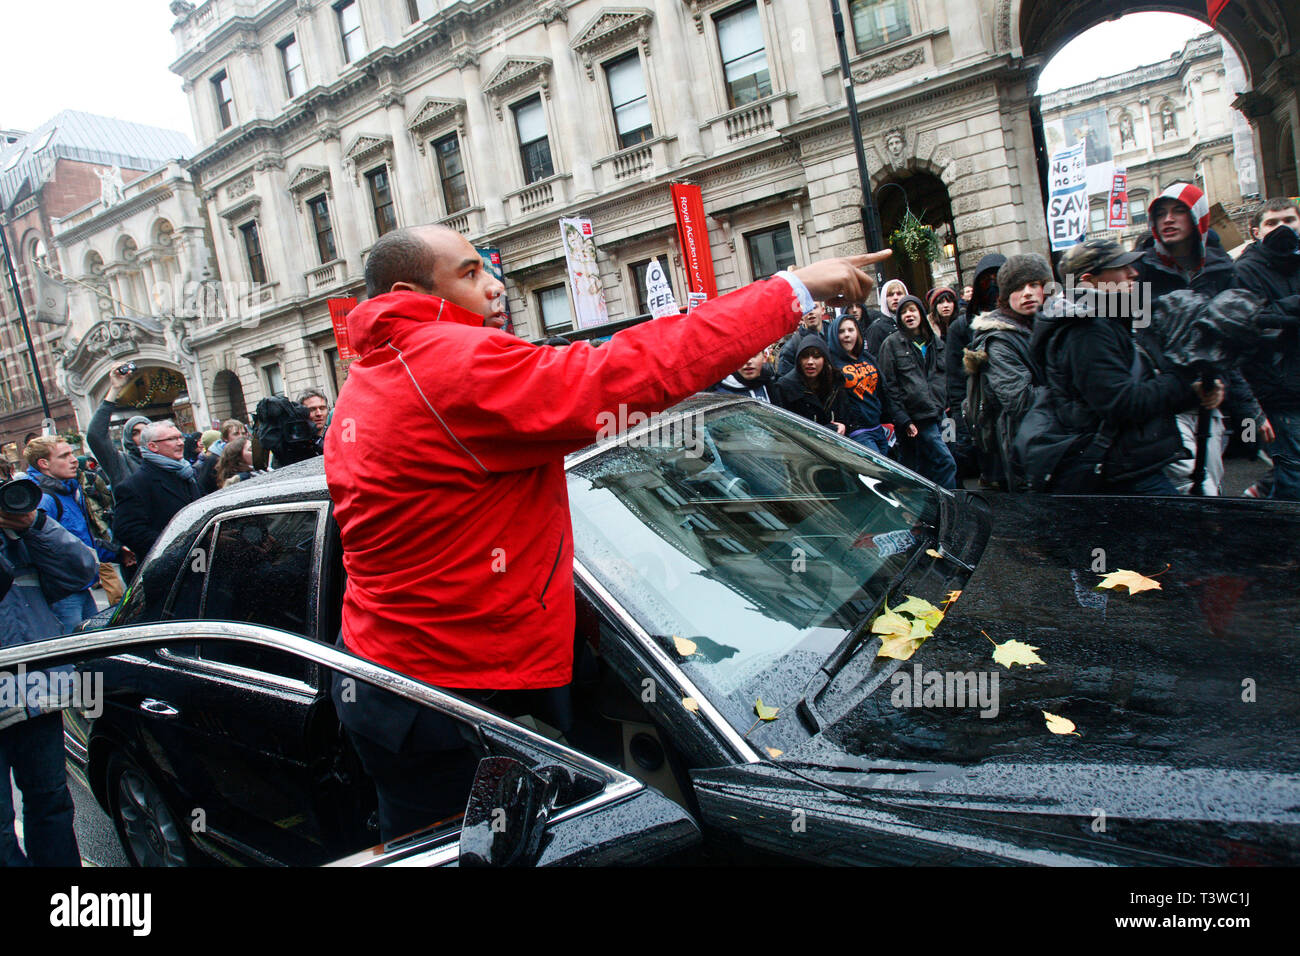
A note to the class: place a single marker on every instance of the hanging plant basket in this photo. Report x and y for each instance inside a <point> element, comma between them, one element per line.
<point>914,241</point>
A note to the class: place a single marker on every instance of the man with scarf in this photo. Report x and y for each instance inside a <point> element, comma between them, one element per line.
<point>160,487</point>
<point>1270,268</point>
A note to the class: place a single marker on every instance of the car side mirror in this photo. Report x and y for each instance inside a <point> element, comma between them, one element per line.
<point>506,814</point>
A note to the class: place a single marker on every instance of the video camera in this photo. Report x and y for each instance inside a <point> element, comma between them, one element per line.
<point>284,429</point>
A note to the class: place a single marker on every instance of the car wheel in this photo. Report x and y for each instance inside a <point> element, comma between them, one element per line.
<point>151,834</point>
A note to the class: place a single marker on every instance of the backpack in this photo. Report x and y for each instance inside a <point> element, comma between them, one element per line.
<point>980,407</point>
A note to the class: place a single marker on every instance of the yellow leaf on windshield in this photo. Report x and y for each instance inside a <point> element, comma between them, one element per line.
<point>684,646</point>
<point>1016,652</point>
<point>690,704</point>
<point>764,712</point>
<point>1060,725</point>
<point>773,752</point>
<point>1129,579</point>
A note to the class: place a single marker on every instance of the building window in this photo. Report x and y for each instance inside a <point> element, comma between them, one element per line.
<point>274,380</point>
<point>770,251</point>
<point>349,15</point>
<point>1097,219</point>
<point>381,200</point>
<point>553,306</point>
<point>1137,208</point>
<point>638,270</point>
<point>324,229</point>
<point>744,59</point>
<point>332,368</point>
<point>534,147</point>
<point>628,97</point>
<point>30,375</point>
<point>451,171</point>
<point>253,249</point>
<point>291,61</point>
<point>877,22</point>
<point>419,10</point>
<point>225,100</point>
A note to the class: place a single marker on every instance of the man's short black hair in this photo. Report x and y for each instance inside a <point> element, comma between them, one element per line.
<point>1271,205</point>
<point>399,256</point>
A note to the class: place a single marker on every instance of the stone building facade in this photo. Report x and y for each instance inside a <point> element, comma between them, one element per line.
<point>1163,123</point>
<point>45,175</point>
<point>323,124</point>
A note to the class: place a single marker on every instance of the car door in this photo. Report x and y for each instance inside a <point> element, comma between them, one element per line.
<point>584,811</point>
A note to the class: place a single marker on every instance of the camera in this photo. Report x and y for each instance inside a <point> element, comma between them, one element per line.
<point>19,496</point>
<point>127,368</point>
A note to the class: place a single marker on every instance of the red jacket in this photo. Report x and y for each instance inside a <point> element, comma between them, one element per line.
<point>445,462</point>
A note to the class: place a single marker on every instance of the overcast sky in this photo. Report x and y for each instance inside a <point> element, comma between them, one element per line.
<point>111,56</point>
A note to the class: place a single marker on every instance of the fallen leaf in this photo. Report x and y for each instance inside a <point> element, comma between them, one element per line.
<point>1060,725</point>
<point>1016,652</point>
<point>1129,579</point>
<point>930,552</point>
<point>952,596</point>
<point>917,607</point>
<point>889,622</point>
<point>684,646</point>
<point>764,712</point>
<point>901,647</point>
<point>690,704</point>
<point>773,752</point>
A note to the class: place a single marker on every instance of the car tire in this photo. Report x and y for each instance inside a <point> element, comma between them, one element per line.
<point>150,832</point>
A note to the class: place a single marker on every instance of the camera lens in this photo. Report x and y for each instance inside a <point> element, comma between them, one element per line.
<point>19,496</point>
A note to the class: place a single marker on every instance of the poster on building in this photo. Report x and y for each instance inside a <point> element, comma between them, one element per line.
<point>339,309</point>
<point>658,293</point>
<point>584,275</point>
<point>1067,197</point>
<point>492,263</point>
<point>1117,218</point>
<point>1092,129</point>
<point>693,234</point>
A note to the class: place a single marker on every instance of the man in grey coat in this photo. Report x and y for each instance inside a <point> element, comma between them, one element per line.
<point>40,562</point>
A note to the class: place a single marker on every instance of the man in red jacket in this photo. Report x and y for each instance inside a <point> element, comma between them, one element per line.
<point>461,574</point>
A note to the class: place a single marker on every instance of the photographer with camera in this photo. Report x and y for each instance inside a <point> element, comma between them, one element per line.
<point>118,465</point>
<point>162,486</point>
<point>52,465</point>
<point>40,562</point>
<point>285,430</point>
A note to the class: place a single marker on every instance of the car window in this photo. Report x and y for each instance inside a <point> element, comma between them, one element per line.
<point>261,570</point>
<point>747,544</point>
<point>187,595</point>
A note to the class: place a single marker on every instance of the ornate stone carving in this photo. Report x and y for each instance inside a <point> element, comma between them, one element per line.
<point>240,187</point>
<point>515,74</point>
<point>890,65</point>
<point>327,133</point>
<point>895,141</point>
<point>365,150</point>
<point>552,12</point>
<point>308,179</point>
<point>464,59</point>
<point>609,28</point>
<point>391,97</point>
<point>434,114</point>
<point>250,208</point>
<point>269,162</point>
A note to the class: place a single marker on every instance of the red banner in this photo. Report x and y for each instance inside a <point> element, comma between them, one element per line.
<point>339,309</point>
<point>1214,8</point>
<point>693,234</point>
<point>1118,205</point>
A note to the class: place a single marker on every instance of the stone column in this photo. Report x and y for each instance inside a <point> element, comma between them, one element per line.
<point>486,169</point>
<point>277,222</point>
<point>799,38</point>
<point>963,18</point>
<point>343,207</point>
<point>200,120</point>
<point>566,96</point>
<point>411,202</point>
<point>252,98</point>
<point>1151,130</point>
<point>676,80</point>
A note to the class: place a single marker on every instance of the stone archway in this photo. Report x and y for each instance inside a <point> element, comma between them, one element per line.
<point>925,195</point>
<point>1264,33</point>
<point>228,397</point>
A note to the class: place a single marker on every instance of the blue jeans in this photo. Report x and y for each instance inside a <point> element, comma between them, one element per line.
<point>1156,485</point>
<point>931,456</point>
<point>877,439</point>
<point>33,750</point>
<point>1285,452</point>
<point>74,609</point>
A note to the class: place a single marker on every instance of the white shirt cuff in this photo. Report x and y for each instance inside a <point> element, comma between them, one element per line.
<point>800,290</point>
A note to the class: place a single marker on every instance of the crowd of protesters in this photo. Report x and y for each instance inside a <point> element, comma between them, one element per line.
<point>1028,385</point>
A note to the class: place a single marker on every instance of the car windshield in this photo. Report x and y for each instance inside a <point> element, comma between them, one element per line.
<point>759,538</point>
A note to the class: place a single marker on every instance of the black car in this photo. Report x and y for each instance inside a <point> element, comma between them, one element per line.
<point>731,562</point>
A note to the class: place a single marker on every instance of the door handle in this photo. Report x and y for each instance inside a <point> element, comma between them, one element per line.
<point>159,708</point>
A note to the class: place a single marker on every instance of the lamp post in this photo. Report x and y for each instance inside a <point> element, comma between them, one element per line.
<point>870,217</point>
<point>22,315</point>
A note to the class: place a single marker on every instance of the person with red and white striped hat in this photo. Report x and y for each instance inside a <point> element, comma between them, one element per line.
<point>1179,255</point>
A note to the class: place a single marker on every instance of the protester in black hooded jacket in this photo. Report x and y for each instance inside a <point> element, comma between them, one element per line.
<point>1108,383</point>
<point>812,388</point>
<point>1270,268</point>
<point>984,299</point>
<point>884,323</point>
<point>911,362</point>
<point>754,379</point>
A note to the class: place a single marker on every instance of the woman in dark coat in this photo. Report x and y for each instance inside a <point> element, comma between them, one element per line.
<point>912,365</point>
<point>813,388</point>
